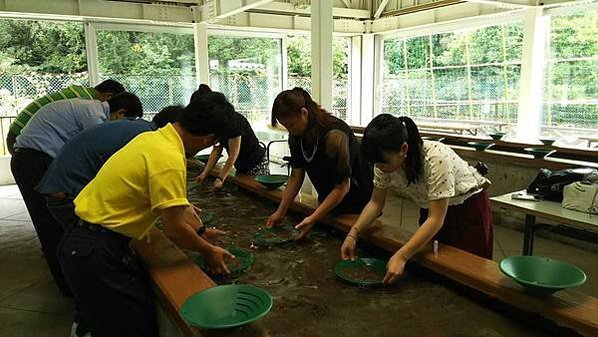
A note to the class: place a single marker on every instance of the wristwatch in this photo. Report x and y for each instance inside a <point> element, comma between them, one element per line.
<point>201,230</point>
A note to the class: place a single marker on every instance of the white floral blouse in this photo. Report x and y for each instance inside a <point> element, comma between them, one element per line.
<point>445,175</point>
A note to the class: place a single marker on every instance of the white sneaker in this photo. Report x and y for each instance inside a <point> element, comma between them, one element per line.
<point>74,331</point>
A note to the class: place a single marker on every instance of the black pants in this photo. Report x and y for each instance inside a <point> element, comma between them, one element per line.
<point>10,142</point>
<point>113,289</point>
<point>28,167</point>
<point>63,211</point>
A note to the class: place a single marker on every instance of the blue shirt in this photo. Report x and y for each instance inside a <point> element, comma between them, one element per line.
<point>82,157</point>
<point>54,124</point>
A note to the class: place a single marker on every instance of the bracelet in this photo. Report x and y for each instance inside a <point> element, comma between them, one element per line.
<point>201,230</point>
<point>352,236</point>
<point>221,179</point>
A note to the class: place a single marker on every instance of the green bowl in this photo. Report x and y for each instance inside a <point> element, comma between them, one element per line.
<point>433,138</point>
<point>480,146</point>
<point>226,306</point>
<point>542,276</point>
<point>547,141</point>
<point>538,152</point>
<point>372,271</point>
<point>243,260</point>
<point>272,181</point>
<point>276,235</point>
<point>497,135</point>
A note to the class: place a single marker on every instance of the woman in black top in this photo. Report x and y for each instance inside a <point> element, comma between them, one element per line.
<point>326,148</point>
<point>236,136</point>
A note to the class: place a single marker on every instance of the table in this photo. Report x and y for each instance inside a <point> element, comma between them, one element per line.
<point>455,127</point>
<point>267,138</point>
<point>549,210</point>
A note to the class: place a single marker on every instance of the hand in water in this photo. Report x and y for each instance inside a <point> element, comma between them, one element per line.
<point>274,220</point>
<point>216,260</point>
<point>348,248</point>
<point>305,226</point>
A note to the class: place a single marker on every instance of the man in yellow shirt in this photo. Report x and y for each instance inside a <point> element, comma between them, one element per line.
<point>140,183</point>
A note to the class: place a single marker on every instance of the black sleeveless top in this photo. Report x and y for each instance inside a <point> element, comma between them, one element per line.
<point>337,157</point>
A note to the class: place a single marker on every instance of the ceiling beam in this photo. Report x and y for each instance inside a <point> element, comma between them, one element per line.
<point>380,9</point>
<point>286,8</point>
<point>215,10</point>
<point>284,23</point>
<point>505,3</point>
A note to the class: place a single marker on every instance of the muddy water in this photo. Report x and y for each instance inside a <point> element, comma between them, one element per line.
<point>309,301</point>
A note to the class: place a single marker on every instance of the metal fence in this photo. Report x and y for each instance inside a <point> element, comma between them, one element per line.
<point>157,92</point>
<point>18,90</point>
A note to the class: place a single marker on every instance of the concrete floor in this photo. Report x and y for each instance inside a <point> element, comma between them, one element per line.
<point>30,305</point>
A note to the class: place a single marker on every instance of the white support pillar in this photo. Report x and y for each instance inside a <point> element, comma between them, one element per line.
<point>321,52</point>
<point>91,51</point>
<point>368,70</point>
<point>284,61</point>
<point>355,82</point>
<point>536,28</point>
<point>202,68</point>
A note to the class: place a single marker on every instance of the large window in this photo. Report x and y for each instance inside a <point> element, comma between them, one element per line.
<point>468,75</point>
<point>570,108</point>
<point>248,72</point>
<point>299,70</point>
<point>37,58</point>
<point>157,67</point>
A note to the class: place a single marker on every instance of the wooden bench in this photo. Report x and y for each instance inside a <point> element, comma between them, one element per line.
<point>176,277</point>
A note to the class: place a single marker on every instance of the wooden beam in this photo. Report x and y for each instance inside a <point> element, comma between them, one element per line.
<point>175,276</point>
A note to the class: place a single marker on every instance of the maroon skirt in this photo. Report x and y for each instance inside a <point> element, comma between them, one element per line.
<point>467,226</point>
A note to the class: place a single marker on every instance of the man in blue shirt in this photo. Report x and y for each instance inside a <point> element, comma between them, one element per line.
<point>82,157</point>
<point>38,144</point>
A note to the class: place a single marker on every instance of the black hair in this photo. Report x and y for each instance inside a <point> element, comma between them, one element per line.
<point>207,114</point>
<point>290,102</point>
<point>110,86</point>
<point>203,88</point>
<point>167,115</point>
<point>128,101</point>
<point>389,133</point>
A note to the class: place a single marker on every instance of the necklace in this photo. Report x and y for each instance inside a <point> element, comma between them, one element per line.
<point>313,154</point>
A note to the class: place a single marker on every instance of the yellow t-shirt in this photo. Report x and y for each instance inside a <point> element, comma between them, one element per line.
<point>149,174</point>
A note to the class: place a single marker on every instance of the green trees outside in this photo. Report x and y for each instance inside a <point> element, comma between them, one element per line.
<point>482,65</point>
<point>429,72</point>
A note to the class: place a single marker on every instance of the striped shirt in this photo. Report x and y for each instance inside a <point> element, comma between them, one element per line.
<point>74,91</point>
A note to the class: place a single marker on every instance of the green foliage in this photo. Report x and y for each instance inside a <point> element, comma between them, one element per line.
<point>42,46</point>
<point>264,51</point>
<point>137,53</point>
<point>299,56</point>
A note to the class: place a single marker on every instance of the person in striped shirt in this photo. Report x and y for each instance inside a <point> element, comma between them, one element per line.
<point>101,92</point>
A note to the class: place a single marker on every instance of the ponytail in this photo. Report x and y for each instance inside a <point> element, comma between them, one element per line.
<point>389,133</point>
<point>415,161</point>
